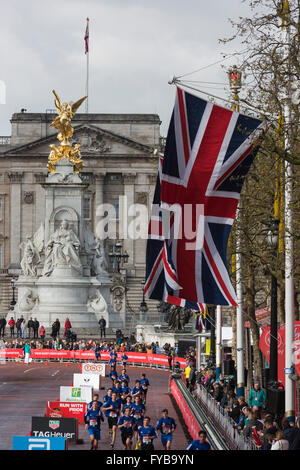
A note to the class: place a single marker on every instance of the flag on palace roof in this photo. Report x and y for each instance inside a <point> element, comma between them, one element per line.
<point>209,151</point>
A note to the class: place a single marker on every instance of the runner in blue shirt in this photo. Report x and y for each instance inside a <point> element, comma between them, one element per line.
<point>94,418</point>
<point>97,351</point>
<point>113,363</point>
<point>124,359</point>
<point>106,402</point>
<point>137,390</point>
<point>144,384</point>
<point>89,406</point>
<point>166,426</point>
<point>147,434</point>
<point>123,376</point>
<point>125,391</point>
<point>126,424</point>
<point>113,375</point>
<point>128,403</point>
<point>117,388</point>
<point>113,407</point>
<point>137,411</point>
<point>199,444</point>
<point>113,354</point>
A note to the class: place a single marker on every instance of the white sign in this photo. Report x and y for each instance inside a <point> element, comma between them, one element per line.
<point>76,394</point>
<point>93,368</point>
<point>86,380</point>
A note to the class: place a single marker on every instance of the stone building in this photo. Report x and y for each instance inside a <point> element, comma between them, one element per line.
<point>117,150</point>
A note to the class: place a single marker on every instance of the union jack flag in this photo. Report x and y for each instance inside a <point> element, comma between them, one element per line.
<point>86,37</point>
<point>209,151</point>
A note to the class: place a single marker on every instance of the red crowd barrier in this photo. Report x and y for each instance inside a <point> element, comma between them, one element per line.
<point>189,418</point>
<point>138,358</point>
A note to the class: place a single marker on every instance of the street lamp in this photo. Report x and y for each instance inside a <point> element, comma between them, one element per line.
<point>272,239</point>
<point>117,256</point>
<point>143,306</point>
<point>235,84</point>
<point>13,302</point>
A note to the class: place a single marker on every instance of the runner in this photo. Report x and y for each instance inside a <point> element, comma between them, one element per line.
<point>137,411</point>
<point>137,390</point>
<point>124,359</point>
<point>113,375</point>
<point>200,444</point>
<point>166,426</point>
<point>113,407</point>
<point>126,423</point>
<point>117,388</point>
<point>27,352</point>
<point>147,434</point>
<point>144,384</point>
<point>97,351</point>
<point>95,399</point>
<point>125,391</point>
<point>128,403</point>
<point>106,402</point>
<point>94,417</point>
<point>123,376</point>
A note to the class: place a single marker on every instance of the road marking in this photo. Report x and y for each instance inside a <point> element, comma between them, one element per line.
<point>28,370</point>
<point>56,372</point>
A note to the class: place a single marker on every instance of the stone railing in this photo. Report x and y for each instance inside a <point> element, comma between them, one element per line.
<point>5,140</point>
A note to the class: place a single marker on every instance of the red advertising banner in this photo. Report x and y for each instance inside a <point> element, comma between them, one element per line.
<point>138,358</point>
<point>64,409</point>
<point>264,345</point>
<point>189,418</point>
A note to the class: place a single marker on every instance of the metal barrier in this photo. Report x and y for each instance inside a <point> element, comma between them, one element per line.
<point>223,422</point>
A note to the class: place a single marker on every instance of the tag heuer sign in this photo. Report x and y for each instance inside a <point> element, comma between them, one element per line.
<point>76,392</point>
<point>42,427</point>
<point>54,424</point>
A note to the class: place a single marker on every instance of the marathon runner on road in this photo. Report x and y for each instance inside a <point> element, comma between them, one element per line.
<point>126,424</point>
<point>113,408</point>
<point>166,425</point>
<point>94,417</point>
<point>147,434</point>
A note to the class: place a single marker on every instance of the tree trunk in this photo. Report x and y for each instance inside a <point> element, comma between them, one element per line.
<point>253,325</point>
<point>281,304</point>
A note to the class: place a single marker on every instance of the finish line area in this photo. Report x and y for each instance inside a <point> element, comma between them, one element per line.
<point>25,390</point>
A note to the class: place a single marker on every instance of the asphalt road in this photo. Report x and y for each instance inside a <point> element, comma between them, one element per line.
<point>25,389</point>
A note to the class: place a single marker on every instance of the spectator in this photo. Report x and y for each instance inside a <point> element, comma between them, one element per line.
<point>36,325</point>
<point>12,325</point>
<point>68,326</point>
<point>252,422</point>
<point>257,396</point>
<point>217,393</point>
<point>27,351</point>
<point>280,443</point>
<point>2,326</point>
<point>55,329</point>
<point>102,325</point>
<point>29,326</point>
<point>19,329</point>
<point>23,327</point>
<point>292,434</point>
<point>42,333</point>
<point>235,412</point>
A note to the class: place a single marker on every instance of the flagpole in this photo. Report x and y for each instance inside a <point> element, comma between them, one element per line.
<point>87,72</point>
<point>289,268</point>
<point>219,341</point>
<point>235,83</point>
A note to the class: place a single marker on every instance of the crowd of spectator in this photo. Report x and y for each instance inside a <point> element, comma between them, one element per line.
<point>250,417</point>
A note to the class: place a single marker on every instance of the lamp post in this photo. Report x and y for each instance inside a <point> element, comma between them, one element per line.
<point>272,238</point>
<point>235,84</point>
<point>143,305</point>
<point>13,302</point>
<point>117,255</point>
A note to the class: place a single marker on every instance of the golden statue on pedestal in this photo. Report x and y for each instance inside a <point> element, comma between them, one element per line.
<point>62,122</point>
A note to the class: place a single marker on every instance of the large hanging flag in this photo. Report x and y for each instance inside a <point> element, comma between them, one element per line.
<point>209,151</point>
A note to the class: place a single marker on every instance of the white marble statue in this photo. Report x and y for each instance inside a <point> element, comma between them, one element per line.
<point>27,301</point>
<point>97,303</point>
<point>62,250</point>
<point>31,257</point>
<point>100,264</point>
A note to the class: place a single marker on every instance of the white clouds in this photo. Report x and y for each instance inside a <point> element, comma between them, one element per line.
<point>135,46</point>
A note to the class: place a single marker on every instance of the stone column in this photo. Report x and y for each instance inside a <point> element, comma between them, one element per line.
<point>99,190</point>
<point>15,217</point>
<point>128,242</point>
<point>40,199</point>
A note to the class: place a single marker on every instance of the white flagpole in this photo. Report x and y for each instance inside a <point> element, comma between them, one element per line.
<point>289,268</point>
<point>219,341</point>
<point>87,69</point>
<point>239,317</point>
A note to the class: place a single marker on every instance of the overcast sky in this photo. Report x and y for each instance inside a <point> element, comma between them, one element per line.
<point>135,47</point>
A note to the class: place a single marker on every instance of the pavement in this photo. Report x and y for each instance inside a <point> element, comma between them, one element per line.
<point>25,389</point>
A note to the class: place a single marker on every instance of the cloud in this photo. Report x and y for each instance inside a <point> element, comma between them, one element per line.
<point>135,46</point>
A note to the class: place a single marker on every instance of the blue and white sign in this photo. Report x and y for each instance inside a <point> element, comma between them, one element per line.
<point>39,443</point>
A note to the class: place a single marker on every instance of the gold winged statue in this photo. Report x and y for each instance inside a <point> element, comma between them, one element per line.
<point>62,122</point>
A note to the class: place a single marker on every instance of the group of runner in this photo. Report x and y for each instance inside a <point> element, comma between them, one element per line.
<point>125,409</point>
